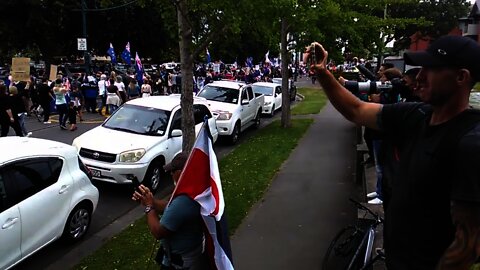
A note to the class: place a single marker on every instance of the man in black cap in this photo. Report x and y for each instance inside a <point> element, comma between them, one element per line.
<point>433,218</point>
<point>180,227</point>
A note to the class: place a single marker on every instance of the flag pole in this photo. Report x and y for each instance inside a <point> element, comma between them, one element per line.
<point>188,160</point>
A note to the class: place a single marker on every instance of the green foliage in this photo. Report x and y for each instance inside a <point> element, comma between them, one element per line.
<point>48,28</point>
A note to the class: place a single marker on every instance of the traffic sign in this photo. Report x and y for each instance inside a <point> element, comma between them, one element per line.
<point>82,44</point>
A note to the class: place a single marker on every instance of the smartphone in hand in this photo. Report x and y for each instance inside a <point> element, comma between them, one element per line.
<point>316,53</point>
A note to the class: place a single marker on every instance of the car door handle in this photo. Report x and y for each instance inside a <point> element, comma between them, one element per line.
<point>10,222</point>
<point>63,189</point>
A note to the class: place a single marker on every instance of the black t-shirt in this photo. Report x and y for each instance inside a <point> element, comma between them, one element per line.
<point>418,224</point>
<point>44,93</point>
<point>4,106</point>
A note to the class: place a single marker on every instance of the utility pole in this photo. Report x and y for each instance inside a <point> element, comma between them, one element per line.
<point>84,10</point>
<point>86,57</point>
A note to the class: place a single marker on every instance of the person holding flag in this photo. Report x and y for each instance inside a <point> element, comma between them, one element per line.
<point>194,214</point>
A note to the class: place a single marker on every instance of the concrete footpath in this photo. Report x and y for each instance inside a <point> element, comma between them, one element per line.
<point>307,202</point>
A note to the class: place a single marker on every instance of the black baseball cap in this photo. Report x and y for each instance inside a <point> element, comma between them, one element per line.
<point>449,51</point>
<point>178,162</point>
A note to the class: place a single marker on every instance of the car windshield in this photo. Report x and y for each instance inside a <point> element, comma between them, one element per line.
<point>266,90</point>
<point>139,120</point>
<point>221,94</point>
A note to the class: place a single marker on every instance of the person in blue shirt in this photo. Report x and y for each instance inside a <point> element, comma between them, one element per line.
<point>180,228</point>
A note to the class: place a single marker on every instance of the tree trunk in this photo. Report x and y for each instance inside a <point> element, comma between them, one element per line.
<point>285,121</point>
<point>186,60</point>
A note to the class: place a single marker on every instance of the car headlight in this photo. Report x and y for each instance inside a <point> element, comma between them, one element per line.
<point>132,155</point>
<point>224,115</point>
<point>267,103</point>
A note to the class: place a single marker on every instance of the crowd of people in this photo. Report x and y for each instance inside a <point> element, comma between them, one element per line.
<point>103,91</point>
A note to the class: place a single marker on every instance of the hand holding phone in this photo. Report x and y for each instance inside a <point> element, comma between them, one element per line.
<point>314,54</point>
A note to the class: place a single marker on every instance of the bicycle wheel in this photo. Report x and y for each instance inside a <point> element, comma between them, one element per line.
<point>342,248</point>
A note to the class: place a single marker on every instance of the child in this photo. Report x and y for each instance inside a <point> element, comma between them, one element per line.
<point>72,115</point>
<point>76,97</point>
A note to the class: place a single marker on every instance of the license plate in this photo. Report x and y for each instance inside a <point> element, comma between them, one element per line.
<point>96,173</point>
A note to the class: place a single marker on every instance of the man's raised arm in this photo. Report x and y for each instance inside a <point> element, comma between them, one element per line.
<point>352,108</point>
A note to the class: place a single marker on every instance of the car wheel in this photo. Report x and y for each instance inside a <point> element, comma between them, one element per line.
<point>153,176</point>
<point>272,113</point>
<point>235,134</point>
<point>78,223</point>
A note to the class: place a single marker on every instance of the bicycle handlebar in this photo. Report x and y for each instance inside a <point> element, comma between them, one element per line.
<point>361,206</point>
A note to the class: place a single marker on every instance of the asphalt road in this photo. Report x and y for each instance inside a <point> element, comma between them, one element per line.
<point>115,200</point>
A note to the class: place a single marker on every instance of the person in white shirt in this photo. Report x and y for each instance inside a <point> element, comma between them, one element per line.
<point>102,92</point>
<point>121,88</point>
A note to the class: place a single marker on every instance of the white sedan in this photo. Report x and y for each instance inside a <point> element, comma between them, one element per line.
<point>138,139</point>
<point>273,96</point>
<point>45,193</point>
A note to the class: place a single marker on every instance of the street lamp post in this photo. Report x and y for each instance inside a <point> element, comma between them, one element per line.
<point>86,57</point>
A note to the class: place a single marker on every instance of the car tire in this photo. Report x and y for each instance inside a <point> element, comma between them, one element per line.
<point>272,113</point>
<point>78,223</point>
<point>153,176</point>
<point>235,134</point>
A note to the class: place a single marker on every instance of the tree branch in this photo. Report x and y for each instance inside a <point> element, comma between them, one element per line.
<point>212,35</point>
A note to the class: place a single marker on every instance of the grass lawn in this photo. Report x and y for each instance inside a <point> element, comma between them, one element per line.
<point>246,174</point>
<point>314,101</point>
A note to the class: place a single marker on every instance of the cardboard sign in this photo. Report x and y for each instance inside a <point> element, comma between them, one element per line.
<point>20,69</point>
<point>53,73</point>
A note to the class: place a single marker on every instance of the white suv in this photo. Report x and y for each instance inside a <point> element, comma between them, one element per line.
<point>45,193</point>
<point>138,139</point>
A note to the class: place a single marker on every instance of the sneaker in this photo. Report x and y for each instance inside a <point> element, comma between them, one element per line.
<point>28,134</point>
<point>372,195</point>
<point>63,127</point>
<point>375,201</point>
<point>48,122</point>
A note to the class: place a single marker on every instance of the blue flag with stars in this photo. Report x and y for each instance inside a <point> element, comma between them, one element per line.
<point>126,56</point>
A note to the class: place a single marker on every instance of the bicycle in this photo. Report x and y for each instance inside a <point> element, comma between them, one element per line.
<point>352,246</point>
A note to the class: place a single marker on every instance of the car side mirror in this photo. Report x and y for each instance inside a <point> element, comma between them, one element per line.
<point>245,102</point>
<point>176,133</point>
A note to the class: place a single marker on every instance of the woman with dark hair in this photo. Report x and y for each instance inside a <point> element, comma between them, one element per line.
<point>7,117</point>
<point>18,108</point>
<point>133,89</point>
